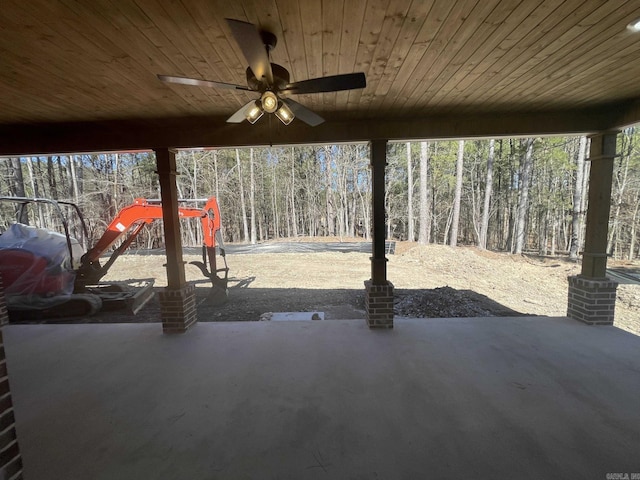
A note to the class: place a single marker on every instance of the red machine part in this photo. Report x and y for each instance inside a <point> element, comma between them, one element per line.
<point>20,268</point>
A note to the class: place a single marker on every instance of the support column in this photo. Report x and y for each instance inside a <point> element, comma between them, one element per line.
<point>177,301</point>
<point>378,290</point>
<point>592,296</point>
<point>10,459</point>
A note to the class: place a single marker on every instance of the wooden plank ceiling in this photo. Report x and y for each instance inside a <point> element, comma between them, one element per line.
<point>96,60</point>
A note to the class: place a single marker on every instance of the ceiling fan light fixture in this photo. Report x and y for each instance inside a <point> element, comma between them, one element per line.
<point>285,114</point>
<point>254,112</point>
<point>634,26</point>
<point>269,101</point>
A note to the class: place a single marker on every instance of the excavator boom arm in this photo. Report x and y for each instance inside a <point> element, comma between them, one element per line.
<point>130,221</point>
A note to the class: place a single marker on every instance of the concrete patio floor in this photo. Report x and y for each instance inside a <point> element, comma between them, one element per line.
<point>448,398</point>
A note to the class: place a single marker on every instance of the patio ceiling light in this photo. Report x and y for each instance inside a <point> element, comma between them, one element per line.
<point>254,112</point>
<point>634,26</point>
<point>284,113</point>
<point>270,103</point>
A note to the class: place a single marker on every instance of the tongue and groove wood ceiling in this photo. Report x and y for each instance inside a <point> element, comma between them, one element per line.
<point>96,60</point>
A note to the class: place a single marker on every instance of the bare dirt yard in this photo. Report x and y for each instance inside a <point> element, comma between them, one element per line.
<point>431,281</point>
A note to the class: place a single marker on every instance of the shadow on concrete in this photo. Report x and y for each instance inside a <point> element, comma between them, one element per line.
<point>250,304</point>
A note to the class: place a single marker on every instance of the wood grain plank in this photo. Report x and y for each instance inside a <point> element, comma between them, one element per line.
<point>507,17</point>
<point>209,61</point>
<point>408,70</point>
<point>618,69</point>
<point>311,19</point>
<point>80,56</point>
<point>293,38</point>
<point>19,106</point>
<point>546,14</point>
<point>467,27</point>
<point>369,35</point>
<point>517,50</point>
<point>411,27</point>
<point>351,31</point>
<point>187,49</point>
<point>332,20</point>
<point>208,18</point>
<point>133,27</point>
<point>437,47</point>
<point>575,68</point>
<point>392,22</point>
<point>66,59</point>
<point>558,41</point>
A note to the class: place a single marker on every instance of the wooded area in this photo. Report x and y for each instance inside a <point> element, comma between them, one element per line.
<point>511,195</point>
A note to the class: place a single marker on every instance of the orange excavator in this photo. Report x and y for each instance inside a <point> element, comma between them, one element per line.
<point>46,270</point>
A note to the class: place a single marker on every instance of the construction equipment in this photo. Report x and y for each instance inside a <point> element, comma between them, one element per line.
<point>45,270</point>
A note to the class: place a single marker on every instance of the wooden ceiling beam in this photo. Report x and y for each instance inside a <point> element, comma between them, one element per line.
<point>214,132</point>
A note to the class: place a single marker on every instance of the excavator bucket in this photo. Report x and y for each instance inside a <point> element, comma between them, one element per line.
<point>208,266</point>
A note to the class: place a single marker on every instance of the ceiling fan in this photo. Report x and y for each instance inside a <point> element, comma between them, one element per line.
<point>272,80</point>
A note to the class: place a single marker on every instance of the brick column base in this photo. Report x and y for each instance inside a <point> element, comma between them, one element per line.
<point>10,459</point>
<point>178,309</point>
<point>378,303</point>
<point>592,301</point>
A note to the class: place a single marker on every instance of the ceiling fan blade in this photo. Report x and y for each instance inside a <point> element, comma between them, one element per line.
<point>303,113</point>
<point>199,83</point>
<point>253,49</point>
<point>241,114</point>
<point>334,83</point>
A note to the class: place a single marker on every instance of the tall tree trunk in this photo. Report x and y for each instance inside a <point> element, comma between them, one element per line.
<point>294,213</point>
<point>621,180</point>
<point>523,200</point>
<point>252,198</point>
<point>578,192</point>
<point>195,175</point>
<point>488,190</point>
<point>74,180</point>
<point>410,222</point>
<point>36,192</point>
<point>215,174</point>
<point>424,233</point>
<point>17,179</point>
<point>116,195</point>
<point>16,186</point>
<point>455,218</point>
<point>585,198</point>
<point>274,203</point>
<point>243,204</point>
<point>53,187</point>
<point>634,221</point>
<point>329,198</point>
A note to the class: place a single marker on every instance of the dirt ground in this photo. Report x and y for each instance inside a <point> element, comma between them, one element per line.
<point>430,281</point>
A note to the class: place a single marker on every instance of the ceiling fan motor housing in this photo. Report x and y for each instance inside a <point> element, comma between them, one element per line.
<point>280,79</point>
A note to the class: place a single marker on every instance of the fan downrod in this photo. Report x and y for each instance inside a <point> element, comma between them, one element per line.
<point>269,40</point>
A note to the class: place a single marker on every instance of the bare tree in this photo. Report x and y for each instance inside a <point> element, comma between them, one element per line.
<point>484,225</point>
<point>526,166</point>
<point>15,180</point>
<point>424,232</point>
<point>252,198</point>
<point>455,216</point>
<point>74,179</point>
<point>578,192</point>
<point>410,219</point>
<point>243,205</point>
